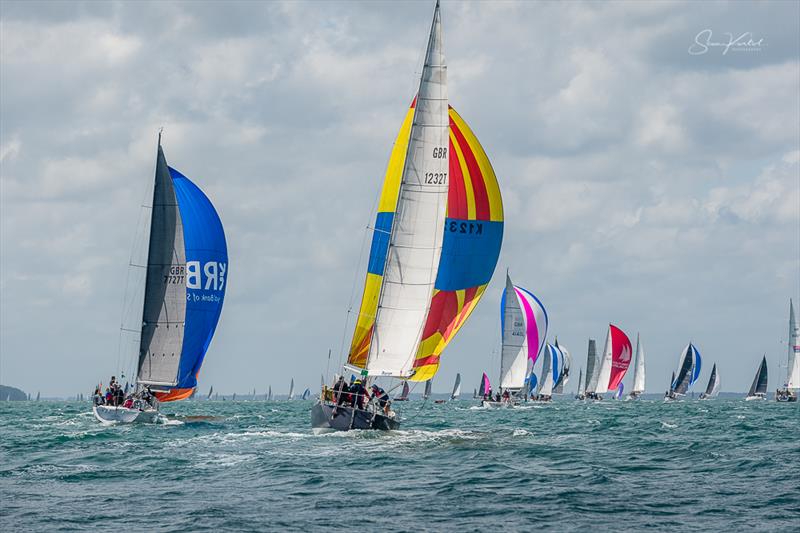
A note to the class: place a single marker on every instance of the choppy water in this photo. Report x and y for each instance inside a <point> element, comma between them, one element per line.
<point>717,465</point>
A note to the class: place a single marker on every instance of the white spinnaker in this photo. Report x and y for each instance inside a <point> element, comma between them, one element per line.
<point>546,382</point>
<point>514,356</point>
<point>638,369</point>
<point>415,242</point>
<point>603,376</point>
<point>793,372</point>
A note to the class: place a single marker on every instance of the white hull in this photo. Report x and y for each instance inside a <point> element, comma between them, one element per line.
<point>756,397</point>
<point>496,405</point>
<point>106,414</point>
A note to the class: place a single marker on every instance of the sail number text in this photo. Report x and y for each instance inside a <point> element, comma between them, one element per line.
<point>439,152</point>
<point>470,228</point>
<point>435,178</point>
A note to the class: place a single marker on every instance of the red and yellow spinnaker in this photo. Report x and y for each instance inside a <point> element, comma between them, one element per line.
<point>473,234</point>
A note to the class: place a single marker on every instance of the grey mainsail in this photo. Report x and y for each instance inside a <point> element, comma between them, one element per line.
<point>681,383</point>
<point>164,311</point>
<point>591,366</point>
<point>713,383</point>
<point>759,385</point>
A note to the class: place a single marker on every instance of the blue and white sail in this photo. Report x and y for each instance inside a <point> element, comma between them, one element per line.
<point>187,272</point>
<point>689,366</point>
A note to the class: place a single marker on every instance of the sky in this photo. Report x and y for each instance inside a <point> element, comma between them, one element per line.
<point>650,179</point>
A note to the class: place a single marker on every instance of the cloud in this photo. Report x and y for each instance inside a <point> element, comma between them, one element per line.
<point>642,185</point>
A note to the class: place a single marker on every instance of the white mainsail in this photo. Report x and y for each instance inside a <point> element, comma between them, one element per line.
<point>415,241</point>
<point>546,381</point>
<point>600,386</point>
<point>638,369</point>
<point>514,356</point>
<point>291,390</point>
<point>793,370</point>
<point>592,367</point>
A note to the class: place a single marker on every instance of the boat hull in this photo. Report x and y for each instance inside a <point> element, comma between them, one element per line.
<point>756,397</point>
<point>107,414</point>
<point>496,405</point>
<point>326,417</point>
<point>785,396</point>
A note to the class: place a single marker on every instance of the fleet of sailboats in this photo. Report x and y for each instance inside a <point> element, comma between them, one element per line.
<point>435,244</point>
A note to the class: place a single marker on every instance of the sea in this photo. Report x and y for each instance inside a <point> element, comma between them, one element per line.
<point>719,465</point>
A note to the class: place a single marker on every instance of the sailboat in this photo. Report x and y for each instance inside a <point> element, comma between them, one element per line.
<point>291,391</point>
<point>791,386</point>
<point>618,393</point>
<point>592,370</point>
<point>613,364</point>
<point>523,322</point>
<point>638,371</point>
<point>485,388</point>
<point>306,394</point>
<point>404,394</point>
<point>427,393</point>
<point>435,245</point>
<point>38,395</point>
<point>689,365</point>
<point>712,389</point>
<point>269,394</point>
<point>210,392</point>
<point>456,388</point>
<point>550,363</point>
<point>758,390</point>
<point>565,362</point>
<point>184,288</point>
<point>579,394</point>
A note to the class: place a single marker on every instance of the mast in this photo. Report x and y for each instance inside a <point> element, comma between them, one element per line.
<point>417,228</point>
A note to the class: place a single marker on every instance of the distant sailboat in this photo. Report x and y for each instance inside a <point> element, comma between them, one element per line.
<point>613,364</point>
<point>210,392</point>
<point>550,361</point>
<point>184,288</point>
<point>233,399</point>
<point>713,385</point>
<point>688,371</point>
<point>579,393</point>
<point>456,388</point>
<point>435,245</point>
<point>38,395</point>
<point>618,394</point>
<point>565,362</point>
<point>427,393</point>
<point>485,388</point>
<point>638,371</point>
<point>291,390</point>
<point>758,390</point>
<point>791,386</point>
<point>474,394</point>
<point>306,394</point>
<point>404,393</point>
<point>523,322</point>
<point>269,394</point>
<point>592,370</point>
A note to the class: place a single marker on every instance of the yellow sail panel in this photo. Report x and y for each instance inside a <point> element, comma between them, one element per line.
<point>362,336</point>
<point>472,239</point>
